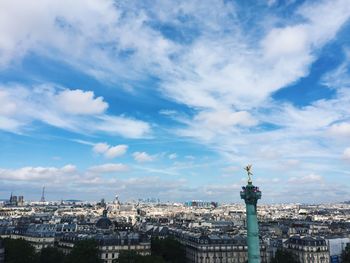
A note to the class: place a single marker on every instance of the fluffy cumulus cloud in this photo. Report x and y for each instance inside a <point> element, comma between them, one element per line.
<point>142,157</point>
<point>75,110</point>
<point>110,151</point>
<point>68,174</point>
<point>100,147</point>
<point>35,174</point>
<point>80,102</point>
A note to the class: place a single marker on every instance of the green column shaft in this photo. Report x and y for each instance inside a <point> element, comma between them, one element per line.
<point>252,234</point>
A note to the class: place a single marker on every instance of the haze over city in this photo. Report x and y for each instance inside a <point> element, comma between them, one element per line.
<point>171,99</point>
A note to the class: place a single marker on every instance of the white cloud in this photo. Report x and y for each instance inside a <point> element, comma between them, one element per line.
<point>230,88</point>
<point>208,124</point>
<point>37,173</point>
<point>115,151</point>
<point>346,154</point>
<point>248,75</point>
<point>222,76</point>
<point>276,180</point>
<point>80,102</point>
<point>93,183</point>
<point>288,41</point>
<point>65,31</point>
<point>142,157</point>
<point>127,127</point>
<point>212,70</point>
<point>74,110</point>
<point>225,79</point>
<point>9,124</point>
<point>172,156</point>
<point>109,151</point>
<point>7,106</point>
<point>223,119</point>
<point>67,175</point>
<point>217,189</point>
<point>339,77</point>
<point>168,112</point>
<point>231,169</point>
<point>69,168</point>
<point>96,182</point>
<point>100,147</point>
<point>325,18</point>
<point>108,168</point>
<point>340,129</point>
<point>311,178</point>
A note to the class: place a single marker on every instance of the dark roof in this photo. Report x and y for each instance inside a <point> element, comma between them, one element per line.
<point>103,223</point>
<point>307,241</point>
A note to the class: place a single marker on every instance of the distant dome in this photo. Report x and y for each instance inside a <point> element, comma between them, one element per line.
<point>104,223</point>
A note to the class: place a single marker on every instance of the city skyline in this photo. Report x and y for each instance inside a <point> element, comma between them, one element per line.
<point>172,100</point>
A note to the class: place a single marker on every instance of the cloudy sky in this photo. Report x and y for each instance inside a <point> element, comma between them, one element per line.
<point>171,98</point>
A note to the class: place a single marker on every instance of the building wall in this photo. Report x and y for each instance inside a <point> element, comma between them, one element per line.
<point>306,254</point>
<point>336,247</point>
<point>218,253</point>
<point>110,253</point>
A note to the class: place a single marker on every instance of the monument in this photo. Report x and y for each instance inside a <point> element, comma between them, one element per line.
<point>251,194</point>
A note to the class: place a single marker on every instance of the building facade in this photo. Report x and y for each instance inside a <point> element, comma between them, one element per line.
<point>214,248</point>
<point>110,246</point>
<point>308,249</point>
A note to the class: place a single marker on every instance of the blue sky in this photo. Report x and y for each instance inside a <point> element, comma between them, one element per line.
<point>171,99</point>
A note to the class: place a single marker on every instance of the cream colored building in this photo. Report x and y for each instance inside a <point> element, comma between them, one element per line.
<point>110,246</point>
<point>201,248</point>
<point>308,249</point>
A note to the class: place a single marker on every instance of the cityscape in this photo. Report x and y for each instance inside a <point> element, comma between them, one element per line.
<point>206,231</point>
<point>174,131</point>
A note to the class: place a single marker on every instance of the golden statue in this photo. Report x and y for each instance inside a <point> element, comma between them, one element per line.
<point>248,168</point>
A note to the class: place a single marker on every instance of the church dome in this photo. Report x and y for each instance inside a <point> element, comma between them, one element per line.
<point>104,222</point>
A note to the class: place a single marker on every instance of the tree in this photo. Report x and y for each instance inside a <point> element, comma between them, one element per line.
<point>345,256</point>
<point>85,251</point>
<point>151,259</point>
<point>51,255</point>
<point>284,256</point>
<point>127,257</point>
<point>19,251</point>
<point>169,249</point>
